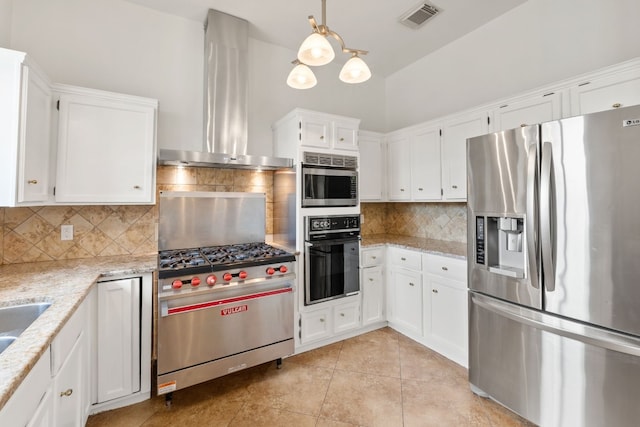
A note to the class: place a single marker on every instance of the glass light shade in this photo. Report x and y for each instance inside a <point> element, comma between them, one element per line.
<point>355,70</point>
<point>301,77</point>
<point>316,50</point>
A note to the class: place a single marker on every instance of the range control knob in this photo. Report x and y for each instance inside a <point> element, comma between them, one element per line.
<point>283,269</point>
<point>270,271</point>
<point>211,280</point>
<point>227,277</point>
<point>242,275</point>
<point>195,282</point>
<point>176,284</point>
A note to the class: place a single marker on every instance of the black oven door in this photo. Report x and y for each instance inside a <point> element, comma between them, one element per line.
<point>331,269</point>
<point>329,187</point>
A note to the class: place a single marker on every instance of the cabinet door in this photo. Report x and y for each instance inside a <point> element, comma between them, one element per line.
<point>448,317</point>
<point>315,326</point>
<point>68,387</point>
<point>399,169</point>
<point>315,132</point>
<point>606,93</point>
<point>43,417</point>
<point>346,136</point>
<point>406,307</point>
<point>346,317</point>
<point>35,139</point>
<point>454,153</point>
<point>118,339</point>
<point>372,295</point>
<point>371,168</point>
<point>539,109</point>
<point>106,151</point>
<point>425,165</point>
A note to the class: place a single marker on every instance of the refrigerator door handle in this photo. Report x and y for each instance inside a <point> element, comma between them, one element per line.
<point>557,326</point>
<point>532,202</point>
<point>546,169</point>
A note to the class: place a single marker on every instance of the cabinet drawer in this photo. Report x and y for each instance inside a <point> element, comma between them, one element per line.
<point>64,341</point>
<point>346,316</point>
<point>372,257</point>
<point>450,268</point>
<point>405,258</point>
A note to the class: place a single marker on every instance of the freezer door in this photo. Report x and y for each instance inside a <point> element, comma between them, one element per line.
<point>590,218</point>
<point>501,215</point>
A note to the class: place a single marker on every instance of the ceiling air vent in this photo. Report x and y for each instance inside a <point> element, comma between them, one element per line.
<point>417,16</point>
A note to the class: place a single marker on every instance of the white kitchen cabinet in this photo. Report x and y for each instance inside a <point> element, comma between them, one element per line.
<point>404,291</point>
<point>372,167</point>
<point>399,174</point>
<point>529,111</point>
<point>69,387</point>
<point>106,147</point>
<point>313,130</point>
<point>346,316</point>
<point>372,285</point>
<point>330,319</point>
<point>25,126</point>
<point>122,344</point>
<point>43,416</point>
<point>425,164</point>
<point>446,326</point>
<point>454,152</point>
<point>315,325</point>
<point>616,90</point>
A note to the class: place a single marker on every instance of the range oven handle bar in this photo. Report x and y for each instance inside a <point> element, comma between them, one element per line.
<point>166,311</point>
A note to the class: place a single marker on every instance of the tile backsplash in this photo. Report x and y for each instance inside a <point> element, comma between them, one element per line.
<point>442,221</point>
<point>33,234</point>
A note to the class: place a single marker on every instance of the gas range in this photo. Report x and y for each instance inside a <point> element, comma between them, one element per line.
<point>221,265</point>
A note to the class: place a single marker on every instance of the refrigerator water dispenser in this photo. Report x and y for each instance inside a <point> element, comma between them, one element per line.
<point>500,245</point>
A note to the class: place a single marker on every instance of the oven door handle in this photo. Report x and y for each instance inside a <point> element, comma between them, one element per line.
<point>165,310</point>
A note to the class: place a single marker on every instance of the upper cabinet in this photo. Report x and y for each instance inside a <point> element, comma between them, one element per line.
<point>528,111</point>
<point>106,147</point>
<point>614,90</point>
<point>25,126</point>
<point>311,129</point>
<point>454,152</point>
<point>372,166</point>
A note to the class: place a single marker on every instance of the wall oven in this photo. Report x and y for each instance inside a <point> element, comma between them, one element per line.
<point>332,257</point>
<point>329,180</point>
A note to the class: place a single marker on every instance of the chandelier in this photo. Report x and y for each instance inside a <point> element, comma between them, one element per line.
<point>316,50</point>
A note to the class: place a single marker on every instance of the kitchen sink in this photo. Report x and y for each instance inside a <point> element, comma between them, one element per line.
<point>15,319</point>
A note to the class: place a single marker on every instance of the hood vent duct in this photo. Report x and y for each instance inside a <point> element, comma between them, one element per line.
<point>226,101</point>
<point>419,15</point>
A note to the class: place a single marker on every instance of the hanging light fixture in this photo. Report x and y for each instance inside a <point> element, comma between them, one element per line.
<point>316,50</point>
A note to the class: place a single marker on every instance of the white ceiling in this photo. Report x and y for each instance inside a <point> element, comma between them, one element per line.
<point>363,24</point>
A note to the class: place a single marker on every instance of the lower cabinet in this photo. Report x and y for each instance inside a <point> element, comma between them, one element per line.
<point>372,284</point>
<point>69,386</point>
<point>43,417</point>
<point>332,319</point>
<point>404,291</point>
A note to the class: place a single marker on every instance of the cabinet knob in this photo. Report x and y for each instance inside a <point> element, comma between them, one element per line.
<point>321,136</point>
<point>411,284</point>
<point>523,125</point>
<point>617,105</point>
<point>435,291</point>
<point>66,393</point>
<point>402,189</point>
<point>420,189</point>
<point>373,257</point>
<point>136,187</point>
<point>341,139</point>
<point>322,319</point>
<point>32,181</point>
<point>403,259</point>
<point>445,268</point>
<point>342,314</point>
<point>454,186</point>
<point>370,279</point>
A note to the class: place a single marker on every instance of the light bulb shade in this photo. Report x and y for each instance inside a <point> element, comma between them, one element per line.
<point>301,77</point>
<point>355,70</point>
<point>315,50</point>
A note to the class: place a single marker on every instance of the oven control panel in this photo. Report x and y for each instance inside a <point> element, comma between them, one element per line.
<point>320,227</point>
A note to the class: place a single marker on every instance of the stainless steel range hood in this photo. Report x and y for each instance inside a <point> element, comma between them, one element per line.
<point>226,102</point>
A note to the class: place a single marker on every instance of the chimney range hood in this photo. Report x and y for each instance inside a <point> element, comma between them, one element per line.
<point>226,102</point>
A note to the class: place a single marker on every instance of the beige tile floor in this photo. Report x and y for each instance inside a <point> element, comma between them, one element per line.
<point>377,379</point>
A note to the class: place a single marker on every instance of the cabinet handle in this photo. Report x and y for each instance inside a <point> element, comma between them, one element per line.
<point>32,181</point>
<point>435,291</point>
<point>342,314</point>
<point>411,284</point>
<point>617,105</point>
<point>321,136</point>
<point>341,139</point>
<point>66,393</point>
<point>370,279</point>
<point>322,319</point>
<point>522,125</point>
<point>420,189</point>
<point>136,187</point>
<point>445,268</point>
<point>454,186</point>
<point>373,257</point>
<point>402,189</point>
<point>403,259</point>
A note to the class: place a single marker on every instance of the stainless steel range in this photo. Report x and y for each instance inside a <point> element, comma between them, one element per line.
<point>225,298</point>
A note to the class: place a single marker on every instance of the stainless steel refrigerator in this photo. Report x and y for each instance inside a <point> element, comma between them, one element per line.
<point>554,269</point>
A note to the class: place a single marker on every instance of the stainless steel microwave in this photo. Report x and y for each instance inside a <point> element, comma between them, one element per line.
<point>329,180</point>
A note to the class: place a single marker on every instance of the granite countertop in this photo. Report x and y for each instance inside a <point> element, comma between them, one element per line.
<point>64,284</point>
<point>432,246</point>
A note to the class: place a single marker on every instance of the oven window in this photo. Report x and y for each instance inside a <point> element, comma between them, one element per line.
<point>328,187</point>
<point>332,270</point>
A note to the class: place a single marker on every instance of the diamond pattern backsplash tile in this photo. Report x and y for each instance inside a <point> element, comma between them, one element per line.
<point>33,234</point>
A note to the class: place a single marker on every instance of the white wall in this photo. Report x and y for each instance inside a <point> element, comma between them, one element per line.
<point>537,43</point>
<point>122,47</point>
